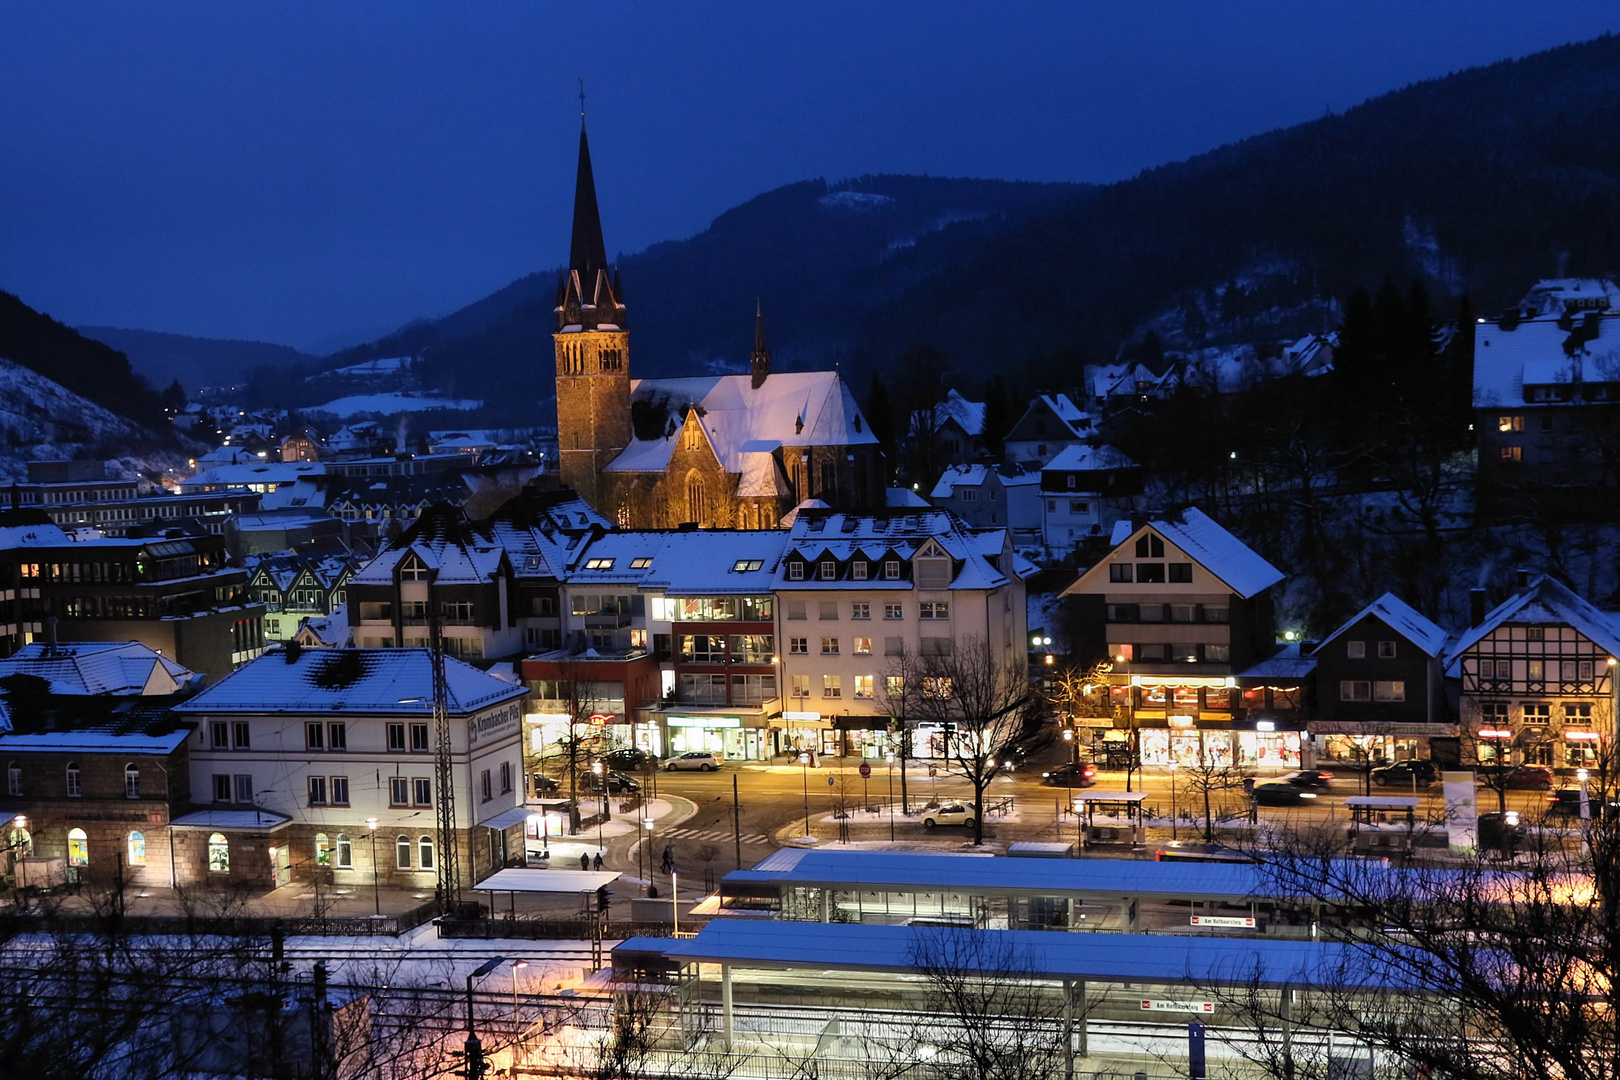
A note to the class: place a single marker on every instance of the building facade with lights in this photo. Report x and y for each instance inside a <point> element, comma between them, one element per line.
<point>1183,611</point>
<point>1538,681</point>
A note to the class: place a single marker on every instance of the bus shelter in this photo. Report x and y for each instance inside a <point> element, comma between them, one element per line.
<point>1109,817</point>
<point>1382,824</point>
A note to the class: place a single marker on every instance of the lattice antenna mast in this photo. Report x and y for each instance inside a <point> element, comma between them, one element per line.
<point>444,777</point>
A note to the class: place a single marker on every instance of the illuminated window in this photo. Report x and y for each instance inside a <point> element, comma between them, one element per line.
<point>1512,453</point>
<point>219,853</point>
<point>137,849</point>
<point>78,848</point>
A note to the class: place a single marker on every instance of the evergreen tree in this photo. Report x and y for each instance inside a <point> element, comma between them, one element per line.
<point>880,415</point>
<point>998,416</point>
<point>174,398</point>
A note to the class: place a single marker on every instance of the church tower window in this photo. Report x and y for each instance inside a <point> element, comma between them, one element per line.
<point>694,498</point>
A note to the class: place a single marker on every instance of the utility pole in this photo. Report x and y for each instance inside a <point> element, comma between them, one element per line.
<point>449,884</point>
<point>736,820</point>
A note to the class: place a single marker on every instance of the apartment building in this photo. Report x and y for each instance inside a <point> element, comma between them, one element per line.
<point>1183,611</point>
<point>296,755</point>
<point>858,595</point>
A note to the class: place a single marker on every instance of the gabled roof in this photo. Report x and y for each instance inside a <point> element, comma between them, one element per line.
<point>968,415</point>
<point>795,408</point>
<point>1074,419</point>
<point>842,536</point>
<point>442,541</point>
<point>1088,459</point>
<point>1212,547</point>
<point>956,476</point>
<point>903,498</point>
<point>1545,601</point>
<point>119,668</point>
<point>1400,617</point>
<point>396,682</point>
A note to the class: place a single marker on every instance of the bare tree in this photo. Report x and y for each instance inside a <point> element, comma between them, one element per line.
<point>979,701</point>
<point>1465,971</point>
<point>577,696</point>
<point>1205,778</point>
<point>902,683</point>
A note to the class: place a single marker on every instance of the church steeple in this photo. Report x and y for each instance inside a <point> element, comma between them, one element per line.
<point>586,253</point>
<point>759,364</point>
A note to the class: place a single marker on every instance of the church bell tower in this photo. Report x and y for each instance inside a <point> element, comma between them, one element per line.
<point>592,346</point>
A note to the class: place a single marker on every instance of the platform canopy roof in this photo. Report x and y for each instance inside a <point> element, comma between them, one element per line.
<point>1133,958</point>
<point>518,879</point>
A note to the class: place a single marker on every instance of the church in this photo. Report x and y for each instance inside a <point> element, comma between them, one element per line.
<point>717,451</point>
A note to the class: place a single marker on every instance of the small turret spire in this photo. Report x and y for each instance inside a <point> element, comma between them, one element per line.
<point>759,364</point>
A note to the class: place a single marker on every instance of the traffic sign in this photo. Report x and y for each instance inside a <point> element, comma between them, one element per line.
<point>866,770</point>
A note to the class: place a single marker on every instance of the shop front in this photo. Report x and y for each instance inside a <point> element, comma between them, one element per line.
<point>1364,744</point>
<point>866,737</point>
<point>737,736</point>
<point>798,731</point>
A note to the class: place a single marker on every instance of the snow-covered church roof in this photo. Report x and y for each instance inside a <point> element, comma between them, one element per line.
<point>793,408</point>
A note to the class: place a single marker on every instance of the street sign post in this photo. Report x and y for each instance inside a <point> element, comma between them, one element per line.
<point>1244,921</point>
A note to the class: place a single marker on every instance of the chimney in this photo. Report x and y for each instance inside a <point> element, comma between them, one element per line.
<point>1476,606</point>
<point>50,635</point>
<point>294,649</point>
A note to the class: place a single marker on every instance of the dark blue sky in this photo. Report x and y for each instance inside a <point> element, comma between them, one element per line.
<point>318,172</point>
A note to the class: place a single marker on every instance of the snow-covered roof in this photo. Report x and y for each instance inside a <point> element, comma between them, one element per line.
<point>231,819</point>
<point>969,415</point>
<point>845,535</point>
<point>795,408</point>
<point>698,561</point>
<point>1084,458</point>
<point>1546,601</point>
<point>43,534</point>
<point>93,741</point>
<point>1215,549</point>
<point>263,472</point>
<point>1400,617</point>
<point>956,476</point>
<point>1285,663</point>
<point>900,498</point>
<point>395,682</point>
<point>1555,295</point>
<point>1548,350</point>
<point>99,667</point>
<point>326,631</point>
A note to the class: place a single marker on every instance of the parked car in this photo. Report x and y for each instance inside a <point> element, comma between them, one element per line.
<point>700,760</point>
<point>544,785</point>
<point>1280,793</point>
<point>616,782</point>
<point>1402,773</point>
<point>1313,779</point>
<point>1518,778</point>
<point>1566,803</point>
<point>626,759</point>
<point>1071,775</point>
<point>949,814</point>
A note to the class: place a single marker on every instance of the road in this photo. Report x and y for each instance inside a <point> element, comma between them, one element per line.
<point>773,800</point>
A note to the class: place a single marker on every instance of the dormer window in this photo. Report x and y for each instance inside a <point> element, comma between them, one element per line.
<point>795,571</point>
<point>829,570</point>
<point>933,573</point>
<point>891,569</point>
<point>413,571</point>
<point>857,570</point>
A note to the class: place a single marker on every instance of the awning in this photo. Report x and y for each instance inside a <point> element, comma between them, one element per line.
<point>521,880</point>
<point>515,816</point>
<point>226,820</point>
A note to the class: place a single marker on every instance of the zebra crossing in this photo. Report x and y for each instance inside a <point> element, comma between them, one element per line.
<point>715,835</point>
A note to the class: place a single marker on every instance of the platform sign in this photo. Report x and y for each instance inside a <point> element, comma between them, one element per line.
<point>1161,1005</point>
<point>1246,921</point>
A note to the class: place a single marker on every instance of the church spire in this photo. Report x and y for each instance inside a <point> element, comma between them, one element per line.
<point>586,253</point>
<point>759,363</point>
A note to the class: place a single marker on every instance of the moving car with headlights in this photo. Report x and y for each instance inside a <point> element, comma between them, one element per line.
<point>1278,793</point>
<point>1403,773</point>
<point>1071,775</point>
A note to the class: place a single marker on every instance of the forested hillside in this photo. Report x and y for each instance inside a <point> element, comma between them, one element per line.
<point>87,367</point>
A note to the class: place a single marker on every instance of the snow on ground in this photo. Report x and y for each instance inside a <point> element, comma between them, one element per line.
<point>44,421</point>
<point>357,404</point>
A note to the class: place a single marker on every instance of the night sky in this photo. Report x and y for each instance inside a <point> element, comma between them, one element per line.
<point>316,173</point>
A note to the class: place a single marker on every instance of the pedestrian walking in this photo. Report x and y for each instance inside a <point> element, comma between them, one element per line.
<point>584,862</point>
<point>669,858</point>
<point>599,860</point>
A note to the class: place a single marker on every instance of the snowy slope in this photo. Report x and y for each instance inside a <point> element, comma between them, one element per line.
<point>40,420</point>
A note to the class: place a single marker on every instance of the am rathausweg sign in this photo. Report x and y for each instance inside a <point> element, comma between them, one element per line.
<point>1166,1005</point>
<point>1245,921</point>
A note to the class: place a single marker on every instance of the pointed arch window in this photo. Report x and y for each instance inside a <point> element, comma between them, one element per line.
<point>132,781</point>
<point>73,778</point>
<point>695,498</point>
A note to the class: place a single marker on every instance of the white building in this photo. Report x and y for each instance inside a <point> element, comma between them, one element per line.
<point>296,752</point>
<point>856,593</point>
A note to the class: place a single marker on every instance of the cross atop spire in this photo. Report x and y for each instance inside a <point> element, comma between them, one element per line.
<point>582,101</point>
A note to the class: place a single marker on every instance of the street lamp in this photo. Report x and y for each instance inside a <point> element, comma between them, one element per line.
<point>889,757</point>
<point>475,1049</point>
<point>376,896</point>
<point>645,848</point>
<point>675,902</point>
<point>804,770</point>
<point>1074,747</point>
<point>515,965</point>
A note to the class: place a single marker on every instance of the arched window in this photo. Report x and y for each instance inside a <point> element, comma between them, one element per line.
<point>402,851</point>
<point>345,852</point>
<point>137,849</point>
<point>132,781</point>
<point>73,790</point>
<point>78,848</point>
<point>21,842</point>
<point>219,853</point>
<point>694,497</point>
<point>424,851</point>
<point>323,853</point>
<point>13,778</point>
